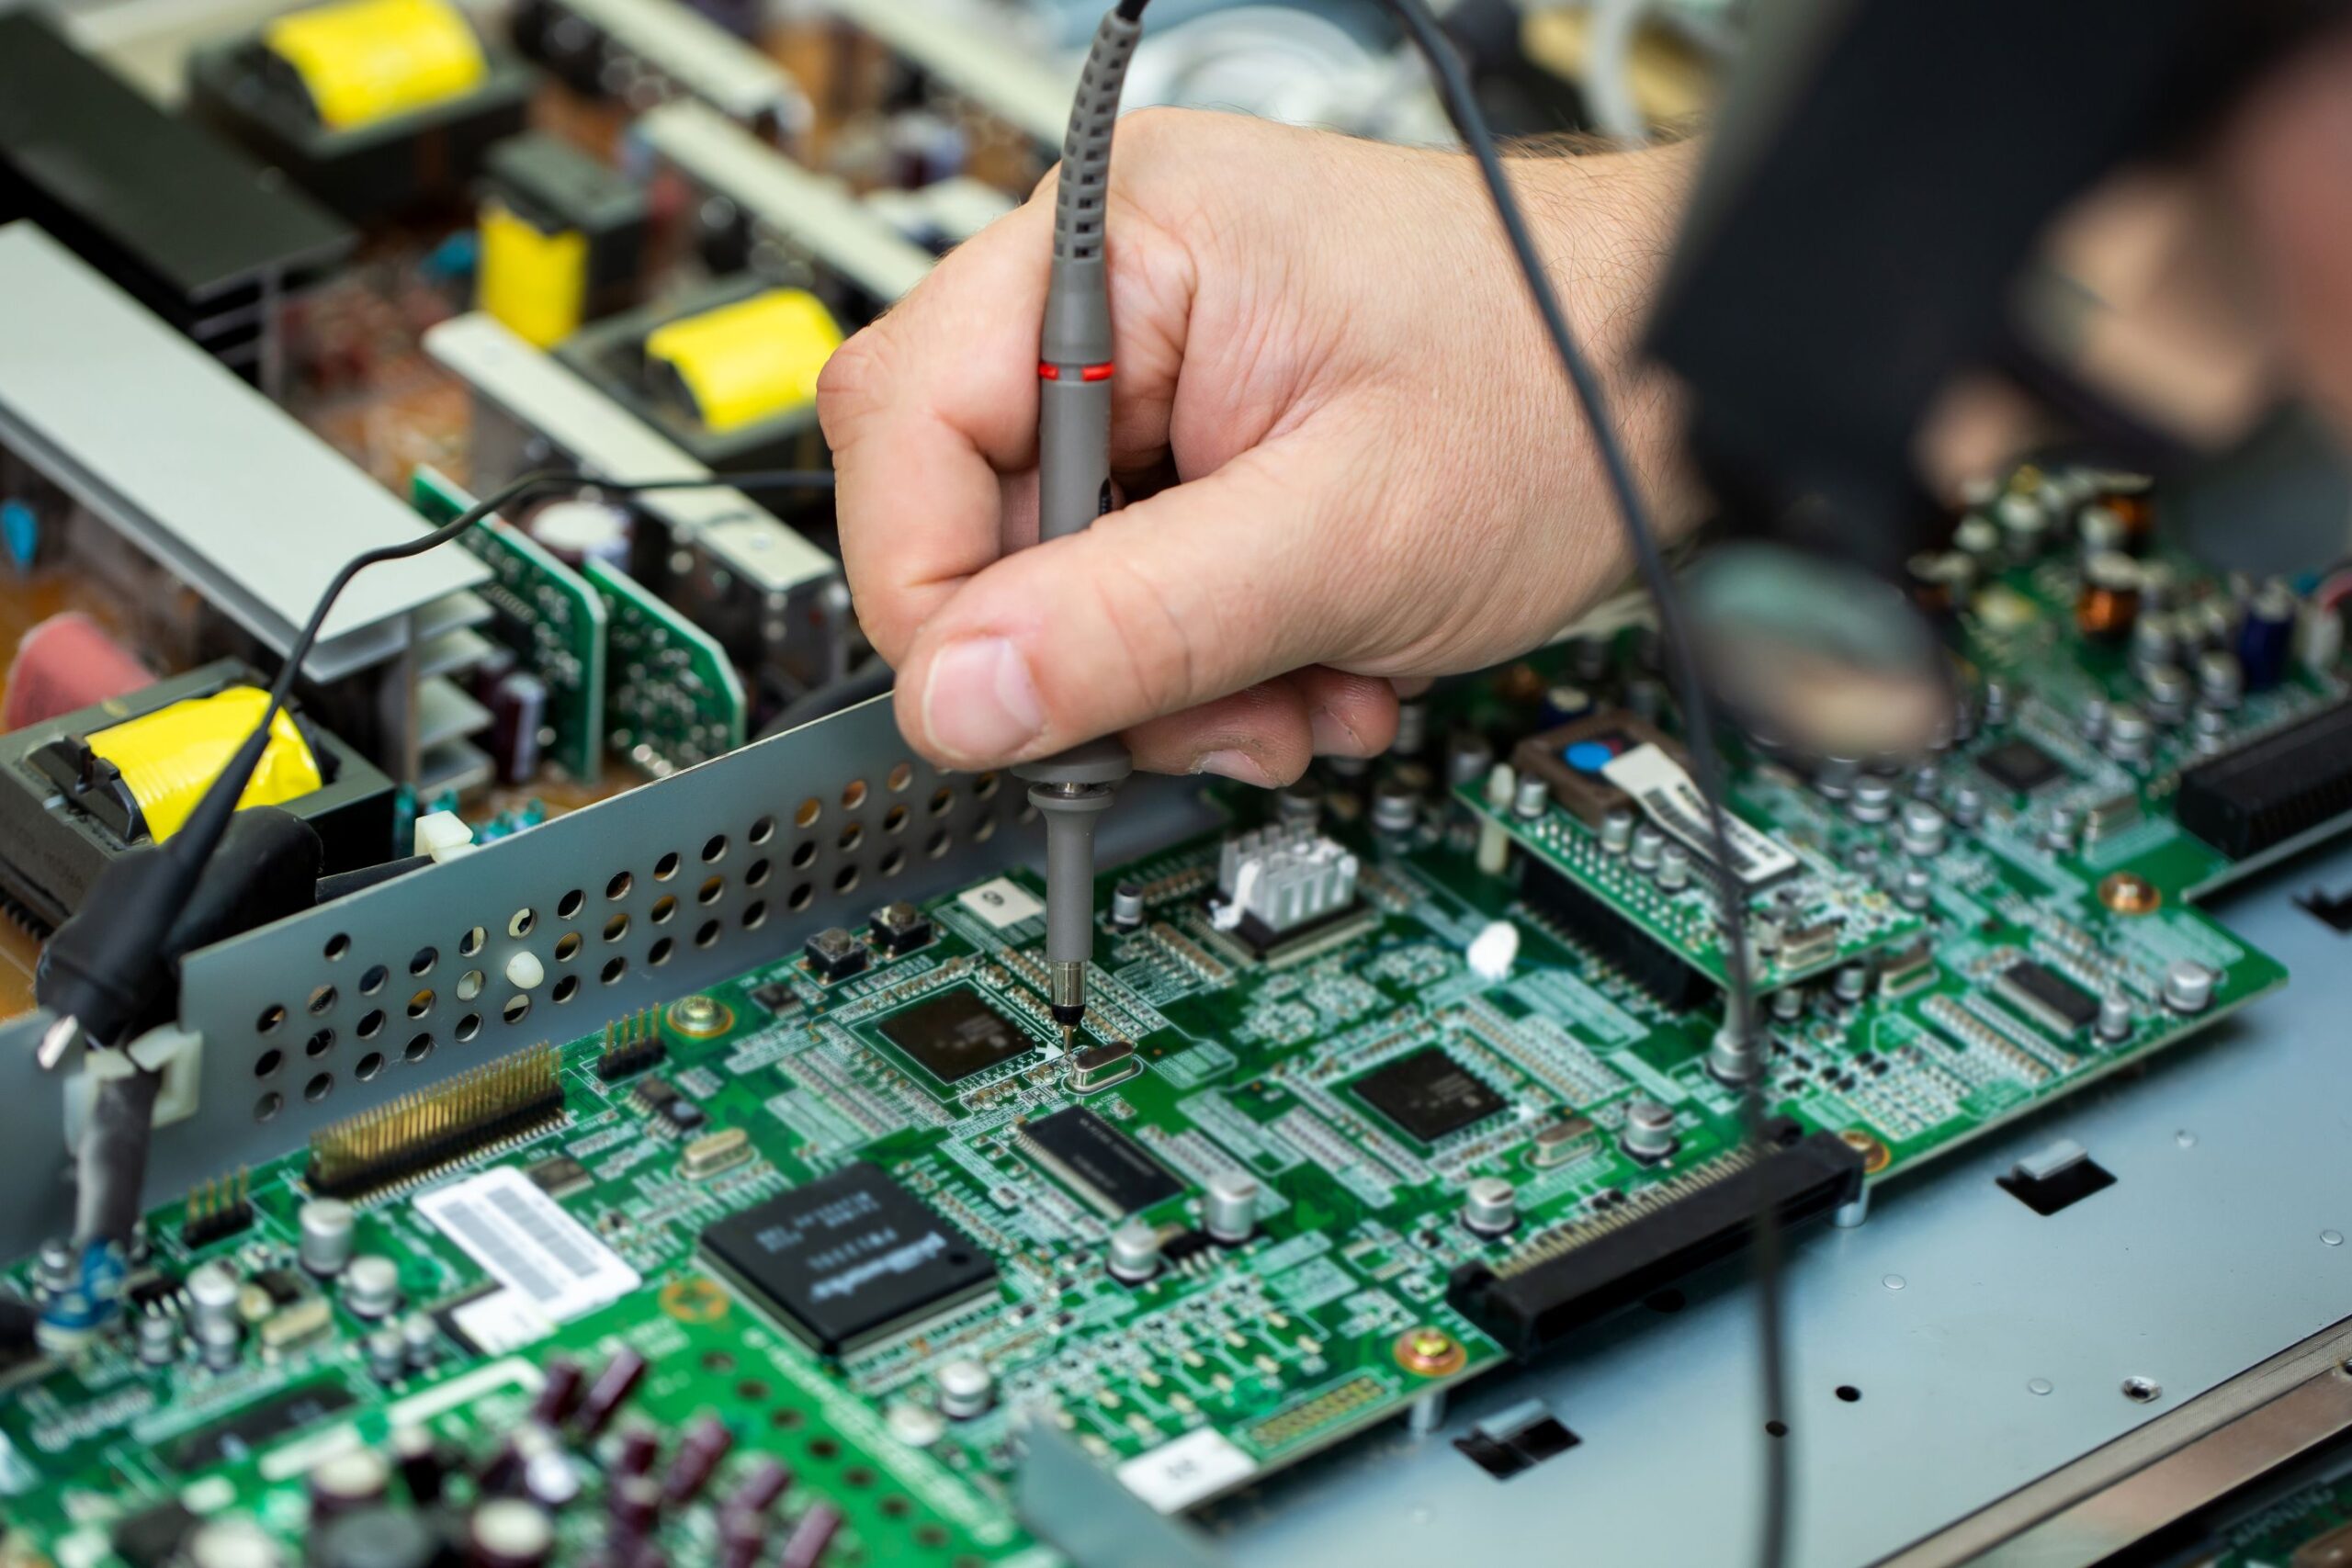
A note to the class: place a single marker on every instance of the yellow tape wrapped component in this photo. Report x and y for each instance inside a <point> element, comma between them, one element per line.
<point>751,360</point>
<point>535,283</point>
<point>170,757</point>
<point>365,60</point>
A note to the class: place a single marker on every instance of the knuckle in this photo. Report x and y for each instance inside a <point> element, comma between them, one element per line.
<point>849,384</point>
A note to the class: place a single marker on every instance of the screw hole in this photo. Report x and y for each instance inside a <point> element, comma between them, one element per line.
<point>1849,1393</point>
<point>2142,1391</point>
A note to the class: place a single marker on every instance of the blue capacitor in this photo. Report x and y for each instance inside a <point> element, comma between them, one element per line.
<point>2265,636</point>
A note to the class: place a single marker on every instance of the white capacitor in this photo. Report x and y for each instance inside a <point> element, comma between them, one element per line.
<point>1490,1206</point>
<point>1493,951</point>
<point>576,531</point>
<point>328,1230</point>
<point>371,1287</point>
<point>1229,1214</point>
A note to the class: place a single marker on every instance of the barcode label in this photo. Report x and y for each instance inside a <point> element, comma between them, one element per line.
<point>524,1237</point>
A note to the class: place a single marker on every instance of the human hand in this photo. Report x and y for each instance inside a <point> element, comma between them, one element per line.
<point>1378,473</point>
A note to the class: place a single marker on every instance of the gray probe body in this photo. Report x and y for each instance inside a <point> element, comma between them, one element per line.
<point>1074,369</point>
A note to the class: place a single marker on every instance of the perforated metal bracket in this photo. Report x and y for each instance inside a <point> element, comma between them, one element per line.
<point>633,902</point>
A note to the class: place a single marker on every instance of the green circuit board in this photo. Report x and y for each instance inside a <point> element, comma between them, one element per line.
<point>1363,1071</point>
<point>672,697</point>
<point>2311,1530</point>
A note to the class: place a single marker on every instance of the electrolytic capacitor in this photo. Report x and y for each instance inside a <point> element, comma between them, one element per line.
<point>2114,1017</point>
<point>762,1487</point>
<point>231,1543</point>
<point>1230,1210</point>
<point>966,1388</point>
<point>159,1340</point>
<point>386,1355</point>
<point>1673,868</point>
<point>1649,844</point>
<point>371,1286</point>
<point>2188,986</point>
<point>507,1532</point>
<point>559,1391</point>
<point>636,1451</point>
<point>2128,735</point>
<point>422,1340</point>
<point>1649,1131</point>
<point>1873,799</point>
<point>424,1467</point>
<point>1126,906</point>
<point>1921,828</point>
<point>328,1229</point>
<point>212,1297</point>
<point>2219,680</point>
<point>218,1341</point>
<point>1968,805</point>
<point>1617,830</point>
<point>1914,887</point>
<point>1412,728</point>
<point>2107,607</point>
<point>1468,757</point>
<point>2167,689</point>
<point>706,1443</point>
<point>1396,806</point>
<point>345,1482</point>
<point>2265,636</point>
<point>742,1538</point>
<point>1732,1056</point>
<point>1134,1253</point>
<point>577,531</point>
<point>1490,1206</point>
<point>1530,796</point>
<point>633,1503</point>
<point>611,1390</point>
<point>806,1547</point>
<point>1494,844</point>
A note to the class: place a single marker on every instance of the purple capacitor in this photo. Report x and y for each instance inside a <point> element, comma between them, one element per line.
<point>698,1460</point>
<point>424,1467</point>
<point>611,1390</point>
<point>560,1393</point>
<point>762,1487</point>
<point>742,1538</point>
<point>634,1505</point>
<point>638,1451</point>
<point>814,1533</point>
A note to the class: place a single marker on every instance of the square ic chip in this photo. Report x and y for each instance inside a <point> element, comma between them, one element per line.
<point>2019,766</point>
<point>1428,1095</point>
<point>1113,1173</point>
<point>848,1259</point>
<point>955,1036</point>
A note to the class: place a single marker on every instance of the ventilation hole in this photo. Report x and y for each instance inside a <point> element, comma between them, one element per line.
<point>422,963</point>
<point>803,853</point>
<point>467,1027</point>
<point>420,1003</point>
<point>373,981</point>
<point>1849,1393</point>
<point>321,1086</point>
<point>369,1066</point>
<point>901,777</point>
<point>469,985</point>
<point>853,795</point>
<point>893,819</point>
<point>518,1006</point>
<point>824,1448</point>
<point>567,947</point>
<point>617,927</point>
<point>566,989</point>
<point>272,1019</point>
<point>894,862</point>
<point>619,886</point>
<point>337,945</point>
<point>659,953</point>
<point>663,908</point>
<point>370,1026</point>
<point>418,1048</point>
<point>938,844</point>
<point>845,879</point>
<point>567,907</point>
<point>708,934</point>
<point>615,967</point>
<point>984,786</point>
<point>268,1062</point>
<point>708,893</point>
<point>470,943</point>
<point>714,849</point>
<point>762,831</point>
<point>755,914</point>
<point>267,1108</point>
<point>984,830</point>
<point>666,867</point>
<point>319,1045</point>
<point>1776,1428</point>
<point>811,809</point>
<point>851,836</point>
<point>800,897</point>
<point>520,922</point>
<point>943,800</point>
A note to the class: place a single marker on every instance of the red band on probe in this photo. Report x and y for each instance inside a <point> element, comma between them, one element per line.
<point>1096,372</point>
<point>1049,372</point>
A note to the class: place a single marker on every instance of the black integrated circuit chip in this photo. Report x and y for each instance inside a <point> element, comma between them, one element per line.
<point>259,1426</point>
<point>1103,1164</point>
<point>849,1258</point>
<point>2019,766</point>
<point>956,1035</point>
<point>1429,1095</point>
<point>559,1175</point>
<point>2049,997</point>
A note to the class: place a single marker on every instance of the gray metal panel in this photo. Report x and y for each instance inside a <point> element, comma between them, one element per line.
<point>700,56</point>
<point>810,209</point>
<point>917,833</point>
<point>968,49</point>
<point>154,437</point>
<point>2210,1254</point>
<point>590,429</point>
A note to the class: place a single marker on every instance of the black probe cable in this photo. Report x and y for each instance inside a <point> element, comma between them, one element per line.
<point>106,967</point>
<point>1689,689</point>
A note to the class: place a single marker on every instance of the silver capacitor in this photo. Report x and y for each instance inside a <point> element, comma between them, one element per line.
<point>1649,1131</point>
<point>371,1286</point>
<point>1229,1211</point>
<point>1788,1004</point>
<point>420,1340</point>
<point>1490,1206</point>
<point>329,1228</point>
<point>2168,690</point>
<point>1674,868</point>
<point>1914,888</point>
<point>1732,1056</point>
<point>386,1355</point>
<point>232,1543</point>
<point>212,1298</point>
<point>217,1343</point>
<point>1530,795</point>
<point>1126,906</point>
<point>1921,827</point>
<point>2221,681</point>
<point>1617,830</point>
<point>2130,736</point>
<point>1649,845</point>
<point>159,1340</point>
<point>1968,805</point>
<point>1396,806</point>
<point>2188,986</point>
<point>1873,799</point>
<point>1134,1253</point>
<point>1412,728</point>
<point>2114,1017</point>
<point>966,1388</point>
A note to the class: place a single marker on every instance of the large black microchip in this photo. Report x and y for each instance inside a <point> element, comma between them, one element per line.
<point>1105,1167</point>
<point>849,1258</point>
<point>2019,766</point>
<point>1428,1094</point>
<point>2050,997</point>
<point>955,1036</point>
<point>259,1426</point>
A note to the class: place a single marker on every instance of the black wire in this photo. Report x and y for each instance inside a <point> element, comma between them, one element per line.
<point>1462,107</point>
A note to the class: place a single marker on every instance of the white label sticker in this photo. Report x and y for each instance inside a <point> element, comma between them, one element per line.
<point>501,1321</point>
<point>522,1235</point>
<point>1196,1466</point>
<point>1674,803</point>
<point>1001,903</point>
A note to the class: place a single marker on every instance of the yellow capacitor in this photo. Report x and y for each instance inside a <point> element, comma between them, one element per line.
<point>364,61</point>
<point>535,283</point>
<point>751,360</point>
<point>170,757</point>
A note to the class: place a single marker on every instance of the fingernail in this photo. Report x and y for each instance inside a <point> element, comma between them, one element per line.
<point>978,703</point>
<point>1236,765</point>
<point>1333,736</point>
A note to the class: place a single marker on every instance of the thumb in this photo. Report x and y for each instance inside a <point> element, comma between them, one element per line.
<point>1190,596</point>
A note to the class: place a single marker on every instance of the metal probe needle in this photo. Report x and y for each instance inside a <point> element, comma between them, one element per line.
<point>1073,789</point>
